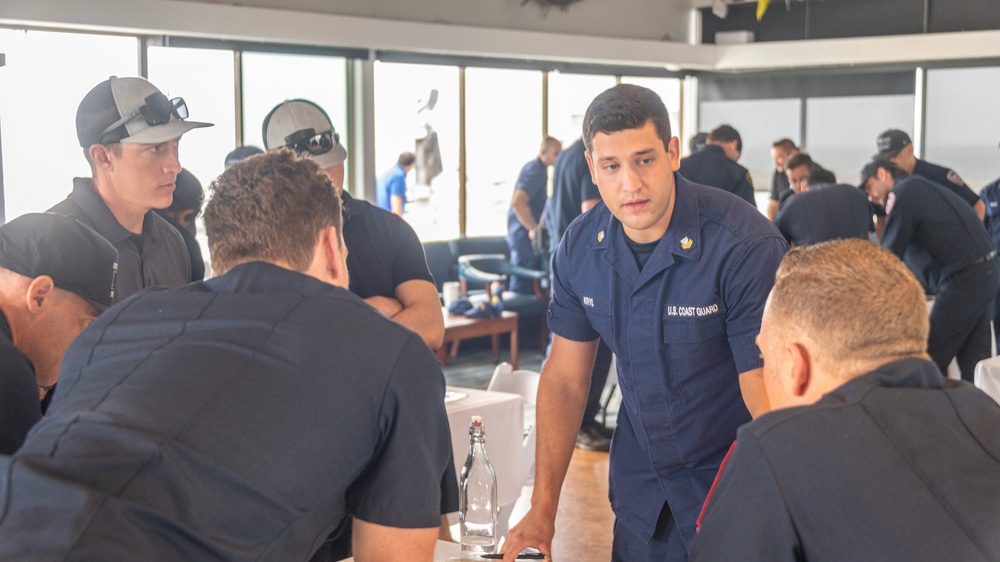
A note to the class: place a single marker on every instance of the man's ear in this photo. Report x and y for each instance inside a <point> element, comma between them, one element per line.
<point>39,293</point>
<point>590,164</point>
<point>100,155</point>
<point>674,153</point>
<point>800,362</point>
<point>333,251</point>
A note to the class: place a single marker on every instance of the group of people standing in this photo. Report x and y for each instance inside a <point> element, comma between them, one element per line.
<point>290,408</point>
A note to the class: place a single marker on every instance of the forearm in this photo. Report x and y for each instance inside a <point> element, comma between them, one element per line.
<point>523,213</point>
<point>421,311</point>
<point>772,210</point>
<point>754,394</point>
<point>378,543</point>
<point>980,209</point>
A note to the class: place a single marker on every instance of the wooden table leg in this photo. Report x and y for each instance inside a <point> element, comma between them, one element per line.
<point>513,347</point>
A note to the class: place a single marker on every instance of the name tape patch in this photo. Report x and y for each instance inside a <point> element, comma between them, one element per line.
<point>692,311</point>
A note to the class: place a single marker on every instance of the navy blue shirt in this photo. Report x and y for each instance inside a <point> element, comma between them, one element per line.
<point>383,251</point>
<point>990,194</point>
<point>683,329</point>
<point>711,166</point>
<point>571,186</point>
<point>19,405</point>
<point>240,418</point>
<point>899,464</point>
<point>946,177</point>
<point>779,183</point>
<point>932,229</point>
<point>826,212</point>
<point>532,180</point>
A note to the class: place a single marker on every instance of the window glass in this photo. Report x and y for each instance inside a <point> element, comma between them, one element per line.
<point>963,122</point>
<point>270,78</point>
<point>669,90</point>
<point>845,149</point>
<point>404,120</point>
<point>569,97</point>
<point>45,78</point>
<point>760,123</point>
<point>204,78</point>
<point>503,115</point>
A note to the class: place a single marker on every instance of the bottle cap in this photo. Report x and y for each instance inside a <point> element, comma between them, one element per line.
<point>477,420</point>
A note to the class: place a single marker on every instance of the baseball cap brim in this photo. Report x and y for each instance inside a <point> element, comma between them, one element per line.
<point>334,157</point>
<point>163,133</point>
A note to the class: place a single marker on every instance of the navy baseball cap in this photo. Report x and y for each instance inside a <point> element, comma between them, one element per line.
<point>870,169</point>
<point>75,256</point>
<point>890,142</point>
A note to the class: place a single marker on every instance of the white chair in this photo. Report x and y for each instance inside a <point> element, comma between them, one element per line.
<point>987,377</point>
<point>525,383</point>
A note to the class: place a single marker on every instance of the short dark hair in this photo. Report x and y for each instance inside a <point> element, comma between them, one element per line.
<point>623,107</point>
<point>406,158</point>
<point>818,174</point>
<point>785,144</point>
<point>798,159</point>
<point>725,134</point>
<point>271,207</point>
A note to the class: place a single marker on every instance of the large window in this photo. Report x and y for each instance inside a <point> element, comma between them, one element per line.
<point>503,116</point>
<point>569,97</point>
<point>845,149</point>
<point>46,76</point>
<point>269,79</point>
<point>963,122</point>
<point>404,117</point>
<point>209,96</point>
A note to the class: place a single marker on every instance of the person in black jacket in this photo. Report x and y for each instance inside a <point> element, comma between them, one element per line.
<point>715,164</point>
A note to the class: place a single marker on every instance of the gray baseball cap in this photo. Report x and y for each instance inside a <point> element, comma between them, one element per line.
<point>131,110</point>
<point>306,128</point>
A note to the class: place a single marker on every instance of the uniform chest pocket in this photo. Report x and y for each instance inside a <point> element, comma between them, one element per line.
<point>598,311</point>
<point>698,356</point>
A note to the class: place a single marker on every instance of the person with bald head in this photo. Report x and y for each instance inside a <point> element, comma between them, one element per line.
<point>870,453</point>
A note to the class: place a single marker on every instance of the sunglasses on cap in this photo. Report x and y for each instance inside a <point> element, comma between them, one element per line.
<point>157,111</point>
<point>306,140</point>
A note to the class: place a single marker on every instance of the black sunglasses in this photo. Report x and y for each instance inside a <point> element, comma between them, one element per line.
<point>306,140</point>
<point>157,111</point>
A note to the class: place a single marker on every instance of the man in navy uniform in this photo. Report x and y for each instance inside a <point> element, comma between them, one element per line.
<point>942,241</point>
<point>990,195</point>
<point>824,210</point>
<point>673,276</point>
<point>895,146</point>
<point>242,418</point>
<point>781,151</point>
<point>871,454</point>
<point>526,207</point>
<point>715,164</point>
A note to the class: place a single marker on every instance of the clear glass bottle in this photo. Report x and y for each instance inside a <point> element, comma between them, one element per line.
<point>478,509</point>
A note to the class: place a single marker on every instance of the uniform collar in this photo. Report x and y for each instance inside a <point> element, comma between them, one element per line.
<point>104,221</point>
<point>682,238</point>
<point>913,372</point>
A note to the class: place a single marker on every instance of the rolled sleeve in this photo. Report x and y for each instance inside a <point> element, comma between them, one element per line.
<point>747,285</point>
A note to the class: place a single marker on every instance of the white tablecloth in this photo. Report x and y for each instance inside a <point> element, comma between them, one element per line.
<point>503,416</point>
<point>443,552</point>
<point>988,377</point>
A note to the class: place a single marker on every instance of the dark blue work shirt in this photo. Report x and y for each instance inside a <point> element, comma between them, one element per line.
<point>532,180</point>
<point>826,212</point>
<point>683,329</point>
<point>990,194</point>
<point>571,186</point>
<point>933,229</point>
<point>711,166</point>
<point>946,177</point>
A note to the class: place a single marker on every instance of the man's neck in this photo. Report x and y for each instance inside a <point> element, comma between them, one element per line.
<point>128,215</point>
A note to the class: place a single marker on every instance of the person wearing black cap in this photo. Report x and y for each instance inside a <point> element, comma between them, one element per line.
<point>386,261</point>
<point>825,210</point>
<point>895,146</point>
<point>56,275</point>
<point>241,153</point>
<point>715,164</point>
<point>945,245</point>
<point>245,417</point>
<point>130,132</point>
<point>181,214</point>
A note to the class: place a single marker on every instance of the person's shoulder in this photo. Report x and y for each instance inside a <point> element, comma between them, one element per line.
<point>584,227</point>
<point>729,211</point>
